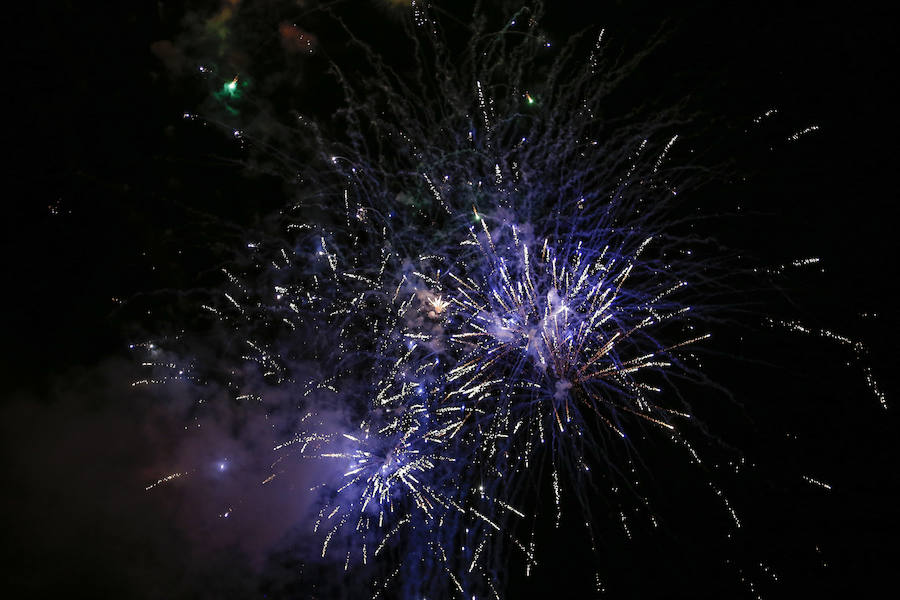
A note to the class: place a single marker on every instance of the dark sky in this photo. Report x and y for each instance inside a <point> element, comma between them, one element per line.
<point>113,203</point>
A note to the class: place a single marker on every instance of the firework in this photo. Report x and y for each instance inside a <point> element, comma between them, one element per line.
<point>481,276</point>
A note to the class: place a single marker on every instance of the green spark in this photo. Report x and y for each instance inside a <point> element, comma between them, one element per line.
<point>230,93</point>
<point>231,88</point>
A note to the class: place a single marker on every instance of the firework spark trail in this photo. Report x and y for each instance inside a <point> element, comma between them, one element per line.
<point>492,280</point>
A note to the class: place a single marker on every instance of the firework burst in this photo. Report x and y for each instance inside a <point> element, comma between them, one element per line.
<point>485,276</point>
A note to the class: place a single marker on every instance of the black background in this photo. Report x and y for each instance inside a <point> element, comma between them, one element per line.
<point>110,195</point>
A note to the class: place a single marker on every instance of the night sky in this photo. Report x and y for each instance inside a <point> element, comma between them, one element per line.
<point>116,208</point>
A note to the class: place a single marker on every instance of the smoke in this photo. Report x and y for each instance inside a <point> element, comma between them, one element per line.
<point>85,508</point>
